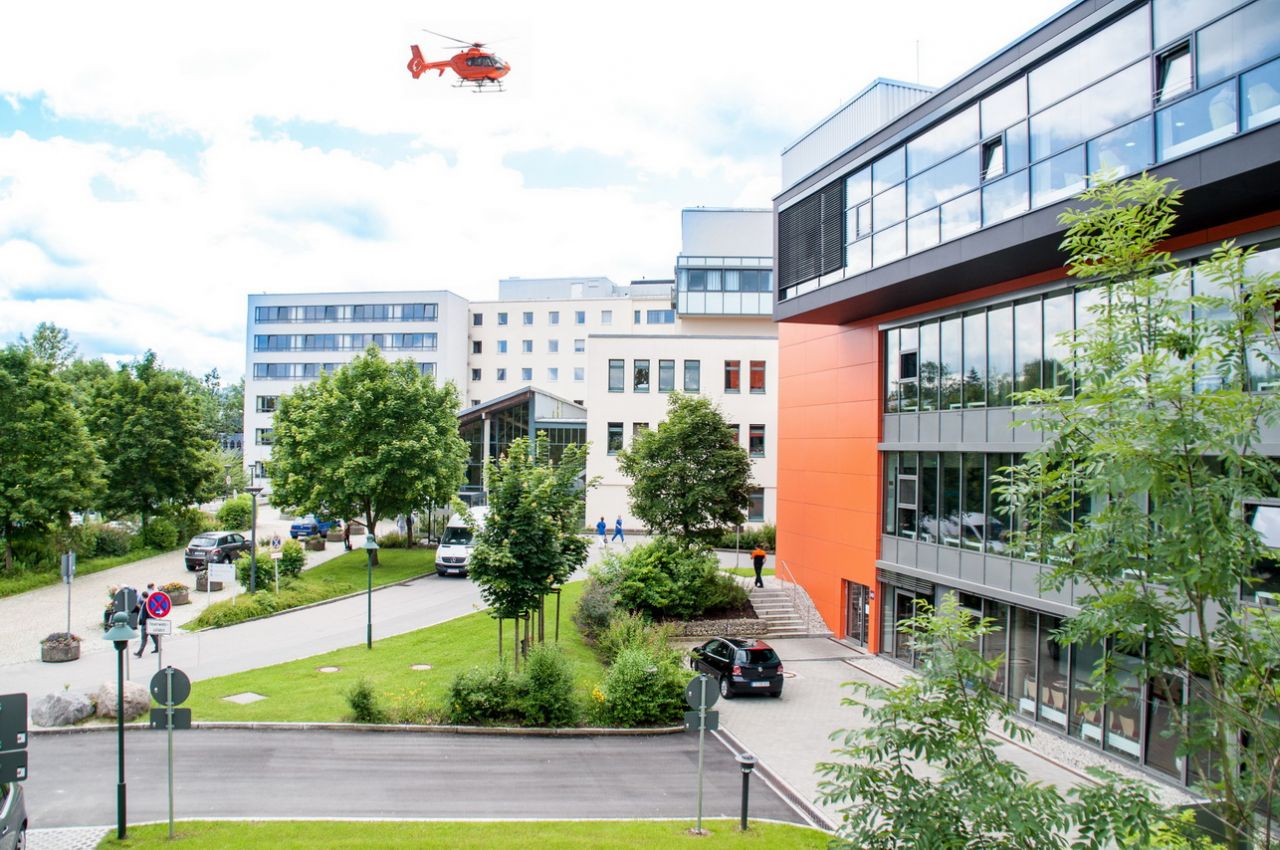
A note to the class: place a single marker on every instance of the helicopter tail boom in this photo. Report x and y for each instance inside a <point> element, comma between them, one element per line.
<point>418,66</point>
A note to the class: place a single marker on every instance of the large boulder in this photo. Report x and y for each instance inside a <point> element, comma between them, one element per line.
<point>137,700</point>
<point>61,709</point>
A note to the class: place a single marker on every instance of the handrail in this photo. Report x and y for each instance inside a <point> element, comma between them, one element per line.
<point>801,604</point>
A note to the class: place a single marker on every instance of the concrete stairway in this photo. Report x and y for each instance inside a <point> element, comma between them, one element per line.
<point>773,604</point>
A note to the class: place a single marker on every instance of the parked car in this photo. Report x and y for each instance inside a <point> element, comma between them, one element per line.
<point>214,547</point>
<point>13,817</point>
<point>310,526</point>
<point>740,666</point>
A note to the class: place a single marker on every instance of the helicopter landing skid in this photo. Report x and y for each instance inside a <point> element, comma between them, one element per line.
<point>481,87</point>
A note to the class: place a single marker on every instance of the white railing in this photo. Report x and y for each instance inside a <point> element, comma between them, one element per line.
<point>801,604</point>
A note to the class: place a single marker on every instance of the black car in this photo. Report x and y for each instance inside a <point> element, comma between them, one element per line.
<point>214,547</point>
<point>741,665</point>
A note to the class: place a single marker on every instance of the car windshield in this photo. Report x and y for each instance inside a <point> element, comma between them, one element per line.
<point>757,656</point>
<point>455,536</point>
<point>205,540</point>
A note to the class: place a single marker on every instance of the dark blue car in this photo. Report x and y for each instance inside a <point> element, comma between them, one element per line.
<point>310,526</point>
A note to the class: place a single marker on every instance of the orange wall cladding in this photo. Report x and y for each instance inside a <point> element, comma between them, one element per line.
<point>830,399</point>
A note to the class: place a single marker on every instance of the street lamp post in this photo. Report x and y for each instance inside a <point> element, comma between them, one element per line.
<point>120,634</point>
<point>370,546</point>
<point>253,538</point>
<point>747,762</point>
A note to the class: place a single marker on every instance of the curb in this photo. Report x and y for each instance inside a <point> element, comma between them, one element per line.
<point>501,731</point>
<point>812,815</point>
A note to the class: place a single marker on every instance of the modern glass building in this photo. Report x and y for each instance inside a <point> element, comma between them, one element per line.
<point>920,284</point>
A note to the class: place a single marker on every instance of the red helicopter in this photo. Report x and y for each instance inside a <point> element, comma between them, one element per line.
<point>473,66</point>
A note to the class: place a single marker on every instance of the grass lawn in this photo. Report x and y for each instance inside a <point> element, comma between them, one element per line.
<point>24,581</point>
<point>297,691</point>
<point>545,835</point>
<point>749,572</point>
<point>347,573</point>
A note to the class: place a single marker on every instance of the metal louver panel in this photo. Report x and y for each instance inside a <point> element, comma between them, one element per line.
<point>832,227</point>
<point>800,241</point>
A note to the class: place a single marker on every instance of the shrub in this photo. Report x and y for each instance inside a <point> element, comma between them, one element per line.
<point>666,578</point>
<point>546,692</point>
<point>595,607</point>
<point>190,522</point>
<point>393,540</point>
<point>642,688</point>
<point>627,630</point>
<point>160,533</point>
<point>246,606</point>
<point>111,542</point>
<point>364,704</point>
<point>413,705</point>
<point>236,513</point>
<point>765,536</point>
<point>82,539</point>
<point>34,550</point>
<point>292,559</point>
<point>266,573</point>
<point>484,695</point>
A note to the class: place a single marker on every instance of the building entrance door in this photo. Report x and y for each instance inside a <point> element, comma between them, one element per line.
<point>858,615</point>
<point>904,608</point>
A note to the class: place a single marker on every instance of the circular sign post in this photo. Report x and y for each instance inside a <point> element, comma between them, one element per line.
<point>159,604</point>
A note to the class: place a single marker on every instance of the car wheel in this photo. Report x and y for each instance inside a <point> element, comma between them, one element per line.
<point>775,694</point>
<point>22,839</point>
<point>725,690</point>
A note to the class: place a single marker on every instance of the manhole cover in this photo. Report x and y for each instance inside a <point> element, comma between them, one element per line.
<point>419,666</point>
<point>244,698</point>
<point>787,674</point>
<point>328,669</point>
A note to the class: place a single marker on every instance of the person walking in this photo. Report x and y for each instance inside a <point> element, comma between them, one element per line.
<point>143,616</point>
<point>617,530</point>
<point>346,535</point>
<point>757,560</point>
<point>602,528</point>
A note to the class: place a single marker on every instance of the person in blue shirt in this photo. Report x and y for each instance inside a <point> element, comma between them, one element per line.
<point>602,528</point>
<point>617,529</point>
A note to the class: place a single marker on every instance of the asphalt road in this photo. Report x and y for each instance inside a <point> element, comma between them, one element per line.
<point>229,773</point>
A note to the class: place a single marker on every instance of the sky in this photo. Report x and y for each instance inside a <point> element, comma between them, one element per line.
<point>161,161</point>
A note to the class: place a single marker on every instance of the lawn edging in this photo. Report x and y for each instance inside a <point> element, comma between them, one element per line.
<point>501,731</point>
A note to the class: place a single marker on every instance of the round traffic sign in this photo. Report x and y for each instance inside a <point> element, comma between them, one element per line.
<point>701,687</point>
<point>159,604</point>
<point>160,686</point>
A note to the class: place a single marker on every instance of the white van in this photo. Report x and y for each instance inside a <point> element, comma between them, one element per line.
<point>453,555</point>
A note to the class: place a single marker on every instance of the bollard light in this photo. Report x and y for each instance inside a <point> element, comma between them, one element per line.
<point>747,762</point>
<point>120,634</point>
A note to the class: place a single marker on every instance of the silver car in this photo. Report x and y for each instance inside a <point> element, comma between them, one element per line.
<point>13,817</point>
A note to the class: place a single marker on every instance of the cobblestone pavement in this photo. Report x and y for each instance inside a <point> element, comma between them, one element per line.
<point>71,838</point>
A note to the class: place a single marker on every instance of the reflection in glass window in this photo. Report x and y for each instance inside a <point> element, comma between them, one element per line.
<point>1119,43</point>
<point>755,513</point>
<point>973,514</point>
<point>1022,661</point>
<point>857,257</point>
<point>1122,152</point>
<point>941,141</point>
<point>1173,72</point>
<point>893,361</point>
<point>857,187</point>
<point>615,438</point>
<point>961,216</point>
<point>1053,674</point>
<point>617,376</point>
<point>890,245</point>
<point>922,231</point>
<point>950,369</point>
<point>755,440</point>
<point>1201,120</point>
<point>1264,359</point>
<point>1004,198</point>
<point>889,207</point>
<point>1261,90</point>
<point>1113,101</point>
<point>929,366</point>
<point>1058,323</point>
<point>929,531</point>
<point>975,360</point>
<point>640,376</point>
<point>888,170</point>
<point>1057,178</point>
<point>1000,355</point>
<point>942,183</point>
<point>1163,735</point>
<point>949,499</point>
<point>1125,716</point>
<point>1086,713</point>
<point>1175,18</point>
<point>1028,355</point>
<point>666,376</point>
<point>692,376</point>
<point>1236,42</point>
<point>1003,107</point>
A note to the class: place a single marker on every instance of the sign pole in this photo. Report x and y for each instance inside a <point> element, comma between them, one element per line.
<point>702,734</point>
<point>168,710</point>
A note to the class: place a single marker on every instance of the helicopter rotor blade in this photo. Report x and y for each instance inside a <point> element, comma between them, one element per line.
<point>451,38</point>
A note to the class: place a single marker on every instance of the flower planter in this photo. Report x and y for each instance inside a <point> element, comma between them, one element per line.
<point>315,544</point>
<point>180,597</point>
<point>202,583</point>
<point>56,652</point>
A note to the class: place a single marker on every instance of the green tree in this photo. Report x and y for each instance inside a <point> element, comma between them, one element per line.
<point>1138,495</point>
<point>924,772</point>
<point>530,542</point>
<point>372,440</point>
<point>52,344</point>
<point>149,433</point>
<point>690,477</point>
<point>50,467</point>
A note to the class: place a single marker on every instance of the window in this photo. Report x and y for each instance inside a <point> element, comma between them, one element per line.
<point>553,317</point>
<point>476,347</point>
<point>661,317</point>
<point>1004,107</point>
<point>666,376</point>
<point>755,511</point>
<point>615,438</point>
<point>526,373</point>
<point>579,317</point>
<point>579,346</point>
<point>637,427</point>
<point>553,373</point>
<point>1173,72</point>
<point>1100,54</point>
<point>477,319</point>
<point>502,374</point>
<point>528,317</point>
<point>606,317</point>
<point>579,373</point>
<point>502,346</point>
<point>1124,151</point>
<point>475,374</point>
<point>692,376</point>
<point>757,376</point>
<point>640,376</point>
<point>993,159</point>
<point>755,440</point>
<point>267,403</point>
<point>636,317</point>
<point>1261,95</point>
<point>263,436</point>
<point>526,346</point>
<point>736,430</point>
<point>1197,121</point>
<point>732,376</point>
<point>502,318</point>
<point>1238,41</point>
<point>553,346</point>
<point>617,376</point>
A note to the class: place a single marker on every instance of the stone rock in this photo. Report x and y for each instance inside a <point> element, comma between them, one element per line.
<point>61,709</point>
<point>137,700</point>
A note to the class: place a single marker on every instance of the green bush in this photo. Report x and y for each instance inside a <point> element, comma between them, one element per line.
<point>190,522</point>
<point>627,630</point>
<point>364,704</point>
<point>247,606</point>
<point>160,533</point>
<point>82,539</point>
<point>393,540</point>
<point>236,513</point>
<point>292,559</point>
<point>642,688</point>
<point>266,573</point>
<point>34,551</point>
<point>484,696</point>
<point>668,579</point>
<point>595,607</point>
<point>546,689</point>
<point>111,542</point>
<point>765,536</point>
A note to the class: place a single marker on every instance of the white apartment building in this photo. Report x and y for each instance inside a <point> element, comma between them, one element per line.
<point>294,338</point>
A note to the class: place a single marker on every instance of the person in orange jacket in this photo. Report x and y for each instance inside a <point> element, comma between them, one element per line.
<point>757,561</point>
